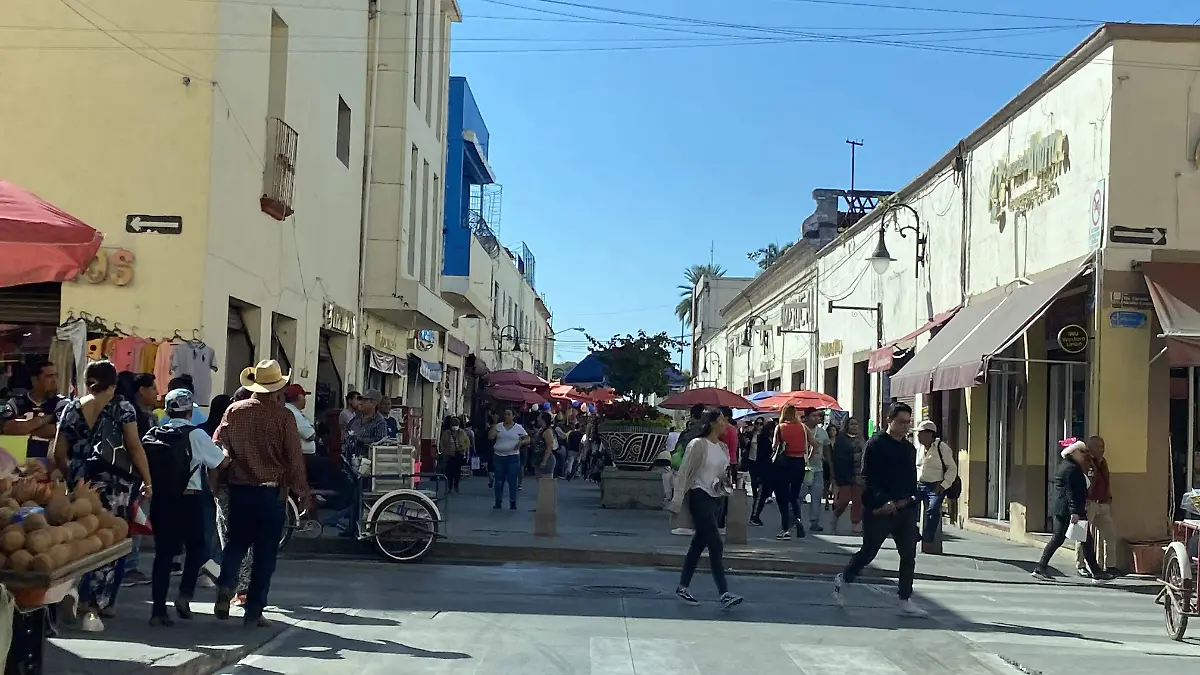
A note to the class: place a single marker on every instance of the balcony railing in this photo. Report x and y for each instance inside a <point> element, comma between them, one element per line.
<point>279,175</point>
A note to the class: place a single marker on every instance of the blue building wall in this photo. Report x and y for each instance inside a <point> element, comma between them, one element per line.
<point>461,173</point>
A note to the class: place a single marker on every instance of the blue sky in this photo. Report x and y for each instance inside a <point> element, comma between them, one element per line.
<point>627,151</point>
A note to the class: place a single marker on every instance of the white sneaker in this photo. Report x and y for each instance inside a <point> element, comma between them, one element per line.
<point>839,584</point>
<point>729,601</point>
<point>206,581</point>
<point>91,623</point>
<point>683,532</point>
<point>910,608</point>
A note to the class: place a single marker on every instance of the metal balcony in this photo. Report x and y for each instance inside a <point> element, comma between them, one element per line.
<point>279,174</point>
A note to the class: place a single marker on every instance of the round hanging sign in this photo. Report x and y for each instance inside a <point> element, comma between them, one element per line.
<point>1072,339</point>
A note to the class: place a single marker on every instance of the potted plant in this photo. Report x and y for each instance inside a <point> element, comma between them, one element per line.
<point>635,367</point>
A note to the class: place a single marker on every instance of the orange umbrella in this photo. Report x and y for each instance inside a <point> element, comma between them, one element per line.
<point>801,399</point>
<point>706,396</point>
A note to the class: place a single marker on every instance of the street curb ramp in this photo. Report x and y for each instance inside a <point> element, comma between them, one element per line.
<point>208,664</point>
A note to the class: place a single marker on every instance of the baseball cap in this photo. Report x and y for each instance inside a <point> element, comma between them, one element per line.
<point>927,425</point>
<point>178,400</point>
<point>372,395</point>
<point>294,391</point>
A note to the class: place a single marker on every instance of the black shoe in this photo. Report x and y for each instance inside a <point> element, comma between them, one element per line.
<point>256,622</point>
<point>754,520</point>
<point>496,506</point>
<point>221,606</point>
<point>1042,575</point>
<point>799,530</point>
<point>161,620</point>
<point>183,607</point>
<point>512,506</point>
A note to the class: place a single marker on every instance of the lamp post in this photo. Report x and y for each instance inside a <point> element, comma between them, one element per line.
<point>748,343</point>
<point>881,259</point>
<point>715,359</point>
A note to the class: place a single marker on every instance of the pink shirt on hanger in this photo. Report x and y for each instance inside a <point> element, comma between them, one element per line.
<point>123,353</point>
<point>162,367</point>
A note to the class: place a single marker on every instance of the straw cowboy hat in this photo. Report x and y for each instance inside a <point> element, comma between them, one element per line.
<point>264,378</point>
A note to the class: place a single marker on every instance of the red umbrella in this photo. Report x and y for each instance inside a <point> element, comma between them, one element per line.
<point>39,242</point>
<point>514,394</point>
<point>706,396</point>
<point>512,376</point>
<point>801,399</point>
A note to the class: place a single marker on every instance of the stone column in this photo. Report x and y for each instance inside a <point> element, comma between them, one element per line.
<point>545,518</point>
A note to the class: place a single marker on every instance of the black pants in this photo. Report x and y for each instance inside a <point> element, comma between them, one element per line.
<point>704,509</point>
<point>788,475</point>
<point>454,466</point>
<point>1061,523</point>
<point>178,523</point>
<point>761,484</point>
<point>902,528</point>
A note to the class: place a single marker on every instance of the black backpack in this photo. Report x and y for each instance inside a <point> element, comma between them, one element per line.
<point>169,454</point>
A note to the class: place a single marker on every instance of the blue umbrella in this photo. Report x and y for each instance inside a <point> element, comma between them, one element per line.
<point>753,398</point>
<point>588,373</point>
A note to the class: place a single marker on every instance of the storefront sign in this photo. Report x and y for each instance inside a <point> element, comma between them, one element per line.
<point>832,348</point>
<point>1072,339</point>
<point>431,371</point>
<point>114,266</point>
<point>1032,178</point>
<point>1126,319</point>
<point>385,343</point>
<point>1131,301</point>
<point>339,319</point>
<point>426,339</point>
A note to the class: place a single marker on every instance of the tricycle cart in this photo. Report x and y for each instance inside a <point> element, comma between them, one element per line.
<point>33,593</point>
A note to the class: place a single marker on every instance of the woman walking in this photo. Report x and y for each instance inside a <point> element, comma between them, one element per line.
<point>454,445</point>
<point>508,439</point>
<point>846,466</point>
<point>760,470</point>
<point>791,442</point>
<point>705,477</point>
<point>98,443</point>
<point>1068,508</point>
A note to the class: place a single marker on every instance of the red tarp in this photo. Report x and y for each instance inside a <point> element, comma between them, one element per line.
<point>39,242</point>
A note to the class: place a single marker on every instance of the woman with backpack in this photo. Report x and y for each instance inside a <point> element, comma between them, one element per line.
<point>98,443</point>
<point>937,480</point>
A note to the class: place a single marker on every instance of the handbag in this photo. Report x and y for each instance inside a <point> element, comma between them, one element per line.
<point>1078,531</point>
<point>108,447</point>
<point>955,490</point>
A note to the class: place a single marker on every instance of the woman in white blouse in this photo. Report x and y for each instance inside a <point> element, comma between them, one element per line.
<point>704,480</point>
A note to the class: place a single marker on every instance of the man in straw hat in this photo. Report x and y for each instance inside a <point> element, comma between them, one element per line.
<point>259,436</point>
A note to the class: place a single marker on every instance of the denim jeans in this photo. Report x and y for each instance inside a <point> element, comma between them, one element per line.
<point>135,554</point>
<point>508,470</point>
<point>256,517</point>
<point>814,487</point>
<point>931,518</point>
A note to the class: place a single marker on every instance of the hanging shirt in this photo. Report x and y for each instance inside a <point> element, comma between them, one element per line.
<point>162,367</point>
<point>198,360</point>
<point>146,357</point>
<point>123,350</point>
<point>75,333</point>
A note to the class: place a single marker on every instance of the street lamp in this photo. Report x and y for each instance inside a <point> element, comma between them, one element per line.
<point>881,259</point>
<point>715,359</point>
<point>566,330</point>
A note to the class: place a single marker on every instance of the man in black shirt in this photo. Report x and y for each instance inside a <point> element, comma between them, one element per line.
<point>34,413</point>
<point>889,466</point>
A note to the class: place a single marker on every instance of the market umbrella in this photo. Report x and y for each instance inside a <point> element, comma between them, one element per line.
<point>706,396</point>
<point>512,376</point>
<point>512,393</point>
<point>801,399</point>
<point>754,398</point>
<point>40,242</point>
<point>590,372</point>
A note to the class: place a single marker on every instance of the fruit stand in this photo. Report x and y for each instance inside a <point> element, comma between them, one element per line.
<point>49,538</point>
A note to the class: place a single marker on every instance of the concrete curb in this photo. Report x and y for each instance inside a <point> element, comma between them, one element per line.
<point>736,562</point>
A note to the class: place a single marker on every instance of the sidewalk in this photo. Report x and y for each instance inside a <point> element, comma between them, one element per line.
<point>129,646</point>
<point>590,535</point>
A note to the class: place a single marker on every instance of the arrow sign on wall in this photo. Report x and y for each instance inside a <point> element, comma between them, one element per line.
<point>139,223</point>
<point>1146,236</point>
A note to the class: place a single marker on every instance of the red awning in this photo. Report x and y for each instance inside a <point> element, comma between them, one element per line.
<point>39,242</point>
<point>881,359</point>
<point>1175,291</point>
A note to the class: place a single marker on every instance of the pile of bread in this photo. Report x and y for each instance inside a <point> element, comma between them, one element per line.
<point>43,526</point>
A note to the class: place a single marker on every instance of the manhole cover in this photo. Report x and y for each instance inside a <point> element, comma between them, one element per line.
<point>610,533</point>
<point>619,590</point>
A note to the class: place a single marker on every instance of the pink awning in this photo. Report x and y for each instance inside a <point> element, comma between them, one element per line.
<point>881,359</point>
<point>39,242</point>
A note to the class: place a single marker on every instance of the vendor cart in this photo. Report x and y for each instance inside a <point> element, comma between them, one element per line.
<point>1180,563</point>
<point>33,593</point>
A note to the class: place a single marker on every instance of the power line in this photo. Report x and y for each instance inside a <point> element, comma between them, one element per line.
<point>942,10</point>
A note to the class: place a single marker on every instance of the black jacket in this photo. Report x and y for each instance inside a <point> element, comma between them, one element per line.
<point>1070,490</point>
<point>889,471</point>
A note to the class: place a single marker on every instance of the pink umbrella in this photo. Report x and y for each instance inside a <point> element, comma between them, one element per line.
<point>512,376</point>
<point>801,399</point>
<point>514,394</point>
<point>39,242</point>
<point>711,397</point>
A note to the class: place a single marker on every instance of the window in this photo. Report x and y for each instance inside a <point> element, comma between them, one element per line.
<point>277,67</point>
<point>418,45</point>
<point>412,213</point>
<point>343,132</point>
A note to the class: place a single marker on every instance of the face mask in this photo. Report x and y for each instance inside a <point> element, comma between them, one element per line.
<point>453,427</point>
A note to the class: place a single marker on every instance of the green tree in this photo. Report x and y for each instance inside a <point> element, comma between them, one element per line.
<point>767,255</point>
<point>636,365</point>
<point>693,275</point>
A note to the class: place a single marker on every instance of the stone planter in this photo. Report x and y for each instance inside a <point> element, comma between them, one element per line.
<point>633,446</point>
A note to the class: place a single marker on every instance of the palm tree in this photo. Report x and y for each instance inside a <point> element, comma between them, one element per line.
<point>693,275</point>
<point>767,255</point>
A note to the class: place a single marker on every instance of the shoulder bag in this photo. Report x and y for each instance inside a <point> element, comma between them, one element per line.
<point>955,490</point>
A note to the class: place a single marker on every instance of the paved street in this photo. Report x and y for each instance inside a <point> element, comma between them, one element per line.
<point>370,618</point>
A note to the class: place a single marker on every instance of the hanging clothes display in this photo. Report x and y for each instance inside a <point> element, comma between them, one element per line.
<point>195,358</point>
<point>63,358</point>
<point>162,367</point>
<point>74,332</point>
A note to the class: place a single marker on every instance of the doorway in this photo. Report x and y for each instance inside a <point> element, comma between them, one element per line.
<point>1001,405</point>
<point>1066,401</point>
<point>831,381</point>
<point>862,391</point>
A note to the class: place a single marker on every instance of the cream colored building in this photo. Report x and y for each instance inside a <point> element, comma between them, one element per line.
<point>245,128</point>
<point>1044,225</point>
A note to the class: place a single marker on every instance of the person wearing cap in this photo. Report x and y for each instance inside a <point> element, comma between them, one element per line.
<point>936,471</point>
<point>365,429</point>
<point>178,517</point>
<point>295,398</point>
<point>259,436</point>
<point>1068,507</point>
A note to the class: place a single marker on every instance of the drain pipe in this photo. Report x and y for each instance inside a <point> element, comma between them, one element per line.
<point>369,150</point>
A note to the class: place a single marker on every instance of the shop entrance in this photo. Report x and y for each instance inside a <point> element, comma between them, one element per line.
<point>240,331</point>
<point>331,352</point>
<point>1066,401</point>
<point>831,381</point>
<point>1001,405</point>
<point>862,392</point>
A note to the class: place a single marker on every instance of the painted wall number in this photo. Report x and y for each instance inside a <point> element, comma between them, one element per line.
<point>112,265</point>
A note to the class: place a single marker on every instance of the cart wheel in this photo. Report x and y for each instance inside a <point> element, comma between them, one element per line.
<point>291,521</point>
<point>1175,604</point>
<point>404,527</point>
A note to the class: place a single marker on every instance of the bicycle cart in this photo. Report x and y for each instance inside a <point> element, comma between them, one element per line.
<point>1180,563</point>
<point>400,512</point>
